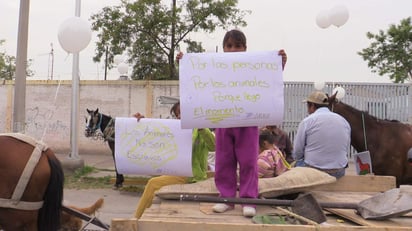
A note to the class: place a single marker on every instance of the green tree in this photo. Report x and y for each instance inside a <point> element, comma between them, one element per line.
<point>390,52</point>
<point>7,65</point>
<point>150,32</point>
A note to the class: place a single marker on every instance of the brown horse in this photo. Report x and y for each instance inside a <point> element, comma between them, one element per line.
<point>31,202</point>
<point>387,141</point>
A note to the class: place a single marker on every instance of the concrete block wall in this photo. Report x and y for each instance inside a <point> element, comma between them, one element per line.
<point>48,108</point>
<point>48,105</point>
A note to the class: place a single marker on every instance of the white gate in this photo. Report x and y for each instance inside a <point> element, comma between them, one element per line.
<point>383,100</point>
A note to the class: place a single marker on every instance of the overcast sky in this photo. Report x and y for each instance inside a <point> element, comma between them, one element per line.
<point>314,54</point>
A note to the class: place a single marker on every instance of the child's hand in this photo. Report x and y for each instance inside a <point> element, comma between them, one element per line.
<point>284,57</point>
<point>179,56</point>
<point>138,116</point>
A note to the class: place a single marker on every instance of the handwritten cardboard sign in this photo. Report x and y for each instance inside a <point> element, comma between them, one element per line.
<point>153,147</point>
<point>236,89</point>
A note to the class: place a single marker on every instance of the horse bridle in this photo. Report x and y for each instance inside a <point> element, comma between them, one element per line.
<point>108,132</point>
<point>364,131</point>
<point>97,125</point>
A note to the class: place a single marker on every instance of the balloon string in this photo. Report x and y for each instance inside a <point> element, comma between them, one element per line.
<point>67,56</point>
<point>53,111</point>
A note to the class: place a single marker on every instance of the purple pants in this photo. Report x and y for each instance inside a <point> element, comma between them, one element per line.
<point>233,146</point>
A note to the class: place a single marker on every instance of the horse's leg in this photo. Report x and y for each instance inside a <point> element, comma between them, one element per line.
<point>119,177</point>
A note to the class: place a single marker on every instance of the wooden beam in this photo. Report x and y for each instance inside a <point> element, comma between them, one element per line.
<point>119,224</point>
<point>365,183</point>
<point>149,225</point>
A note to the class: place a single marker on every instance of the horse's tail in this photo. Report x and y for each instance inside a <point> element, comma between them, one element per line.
<point>49,214</point>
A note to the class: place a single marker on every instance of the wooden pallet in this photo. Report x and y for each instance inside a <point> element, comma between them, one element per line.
<point>186,216</point>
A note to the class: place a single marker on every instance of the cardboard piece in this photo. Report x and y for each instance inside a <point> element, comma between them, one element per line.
<point>363,163</point>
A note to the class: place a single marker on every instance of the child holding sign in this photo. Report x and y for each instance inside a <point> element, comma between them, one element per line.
<point>203,142</point>
<point>237,145</point>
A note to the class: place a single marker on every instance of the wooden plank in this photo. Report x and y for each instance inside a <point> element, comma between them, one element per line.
<point>344,197</point>
<point>365,183</point>
<point>350,214</point>
<point>186,216</point>
<point>195,212</point>
<point>160,224</point>
<point>118,224</point>
<point>393,222</point>
<point>192,212</point>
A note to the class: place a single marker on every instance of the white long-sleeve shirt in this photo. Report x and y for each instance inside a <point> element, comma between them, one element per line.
<point>323,140</point>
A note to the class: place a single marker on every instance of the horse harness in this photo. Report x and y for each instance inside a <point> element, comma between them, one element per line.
<point>363,127</point>
<point>14,202</point>
<point>108,132</point>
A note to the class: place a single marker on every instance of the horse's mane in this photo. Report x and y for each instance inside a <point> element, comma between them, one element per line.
<point>108,129</point>
<point>366,113</point>
<point>107,116</point>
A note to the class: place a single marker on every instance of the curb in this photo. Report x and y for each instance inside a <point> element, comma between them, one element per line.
<point>71,165</point>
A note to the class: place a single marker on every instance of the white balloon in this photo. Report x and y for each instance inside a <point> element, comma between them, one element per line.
<point>319,85</point>
<point>339,15</point>
<point>123,68</point>
<point>340,94</point>
<point>117,59</point>
<point>74,34</point>
<point>322,19</point>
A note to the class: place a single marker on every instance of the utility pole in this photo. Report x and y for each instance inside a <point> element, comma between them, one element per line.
<point>19,107</point>
<point>74,154</point>
<point>51,56</point>
<point>105,62</point>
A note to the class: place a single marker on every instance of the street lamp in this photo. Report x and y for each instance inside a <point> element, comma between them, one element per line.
<point>123,68</point>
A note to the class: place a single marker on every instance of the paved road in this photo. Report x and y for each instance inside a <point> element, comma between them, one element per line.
<point>117,204</point>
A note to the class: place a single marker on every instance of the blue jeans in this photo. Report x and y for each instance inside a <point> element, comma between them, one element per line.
<point>300,163</point>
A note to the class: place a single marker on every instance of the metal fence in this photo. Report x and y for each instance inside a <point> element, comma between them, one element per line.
<point>383,100</point>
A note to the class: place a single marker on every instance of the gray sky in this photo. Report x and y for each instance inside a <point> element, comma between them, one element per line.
<point>314,54</point>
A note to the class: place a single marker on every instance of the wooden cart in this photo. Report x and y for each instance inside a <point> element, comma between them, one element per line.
<point>187,216</point>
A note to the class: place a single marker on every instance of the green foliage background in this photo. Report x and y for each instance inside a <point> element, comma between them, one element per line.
<point>150,32</point>
<point>390,51</point>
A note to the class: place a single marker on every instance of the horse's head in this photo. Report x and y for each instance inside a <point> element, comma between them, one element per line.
<point>332,100</point>
<point>93,122</point>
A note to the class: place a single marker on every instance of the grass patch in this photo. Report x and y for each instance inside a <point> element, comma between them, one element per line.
<point>81,179</point>
<point>84,171</point>
<point>132,188</point>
